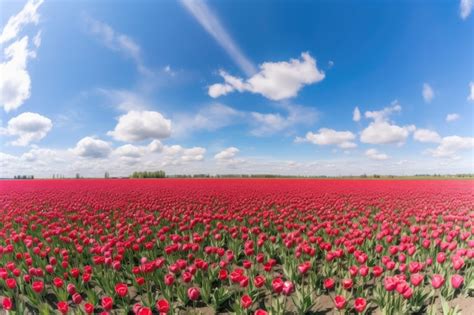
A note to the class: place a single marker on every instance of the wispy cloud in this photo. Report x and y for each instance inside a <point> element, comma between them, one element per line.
<point>116,42</point>
<point>211,23</point>
<point>465,8</point>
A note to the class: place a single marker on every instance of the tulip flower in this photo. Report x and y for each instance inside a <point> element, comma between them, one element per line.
<point>340,302</point>
<point>194,293</point>
<point>457,281</point>
<point>63,307</point>
<point>246,301</point>
<point>360,304</point>
<point>37,286</point>
<point>437,281</point>
<point>107,303</point>
<point>121,289</point>
<point>329,283</point>
<point>163,306</point>
<point>7,304</point>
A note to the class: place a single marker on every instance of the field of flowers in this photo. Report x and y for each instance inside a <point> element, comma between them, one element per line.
<point>180,246</point>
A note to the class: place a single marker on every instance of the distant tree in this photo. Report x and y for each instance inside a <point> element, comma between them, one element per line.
<point>147,174</point>
<point>106,175</point>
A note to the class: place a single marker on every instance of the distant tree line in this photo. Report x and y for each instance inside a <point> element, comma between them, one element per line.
<point>23,177</point>
<point>146,174</point>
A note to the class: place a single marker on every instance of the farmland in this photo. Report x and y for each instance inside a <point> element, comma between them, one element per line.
<point>255,246</point>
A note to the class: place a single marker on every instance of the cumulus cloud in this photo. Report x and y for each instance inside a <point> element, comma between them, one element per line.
<point>176,154</point>
<point>117,42</point>
<point>91,147</point>
<point>426,135</point>
<point>28,127</point>
<point>428,93</point>
<point>356,114</point>
<point>326,136</point>
<point>275,80</point>
<point>15,81</point>
<point>376,155</point>
<point>141,125</point>
<point>28,15</point>
<point>382,131</point>
<point>465,8</point>
<point>227,154</point>
<point>452,117</point>
<point>449,147</point>
<point>470,97</point>
<point>129,150</point>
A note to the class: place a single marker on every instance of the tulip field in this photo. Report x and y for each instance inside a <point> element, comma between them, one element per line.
<point>236,246</point>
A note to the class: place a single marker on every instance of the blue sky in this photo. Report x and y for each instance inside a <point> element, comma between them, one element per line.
<point>236,87</point>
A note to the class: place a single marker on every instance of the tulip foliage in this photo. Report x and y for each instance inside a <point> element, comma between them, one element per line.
<point>249,246</point>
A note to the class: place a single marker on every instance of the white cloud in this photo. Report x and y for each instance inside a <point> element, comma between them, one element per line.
<point>210,118</point>
<point>176,154</point>
<point>381,131</point>
<point>428,93</point>
<point>227,154</point>
<point>465,8</point>
<point>129,150</point>
<point>270,123</point>
<point>426,135</point>
<point>375,155</point>
<point>450,147</point>
<point>275,80</point>
<point>15,82</point>
<point>90,147</point>
<point>210,22</point>
<point>141,125</point>
<point>117,42</point>
<point>470,97</point>
<point>28,15</point>
<point>356,114</point>
<point>383,115</point>
<point>452,117</point>
<point>155,146</point>
<point>28,127</point>
<point>325,136</point>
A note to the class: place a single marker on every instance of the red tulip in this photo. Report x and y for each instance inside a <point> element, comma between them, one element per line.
<point>288,288</point>
<point>457,281</point>
<point>89,308</point>
<point>416,279</point>
<point>11,283</point>
<point>347,284</point>
<point>259,281</point>
<point>107,303</point>
<point>63,307</point>
<point>163,306</point>
<point>194,294</point>
<point>329,283</point>
<point>339,301</point>
<point>169,279</point>
<point>37,286</point>
<point>260,312</point>
<point>277,285</point>
<point>246,301</point>
<point>437,281</point>
<point>121,289</point>
<point>7,303</point>
<point>360,304</point>
<point>144,311</point>
<point>76,298</point>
